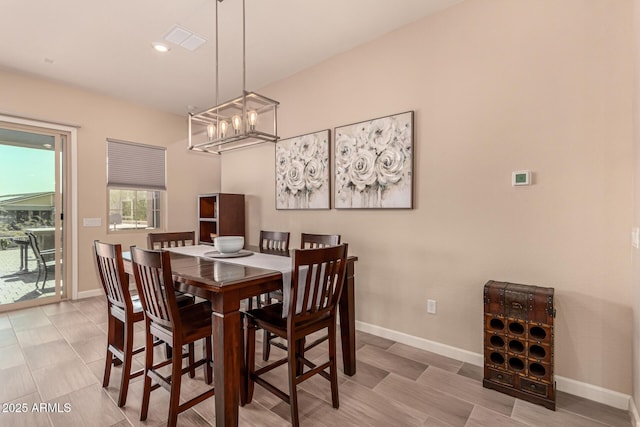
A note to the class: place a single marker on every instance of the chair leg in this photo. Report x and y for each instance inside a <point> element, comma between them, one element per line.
<point>266,345</point>
<point>299,347</point>
<point>109,358</point>
<point>39,275</point>
<point>46,271</point>
<point>250,357</point>
<point>192,360</point>
<point>176,379</point>
<point>333,372</point>
<point>107,368</point>
<point>126,368</point>
<point>148,365</point>
<point>208,368</point>
<point>293,389</point>
<point>168,351</point>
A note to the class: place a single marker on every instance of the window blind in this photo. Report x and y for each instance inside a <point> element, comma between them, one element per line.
<point>132,165</point>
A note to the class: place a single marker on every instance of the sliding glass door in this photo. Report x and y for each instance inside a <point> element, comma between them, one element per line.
<point>31,216</point>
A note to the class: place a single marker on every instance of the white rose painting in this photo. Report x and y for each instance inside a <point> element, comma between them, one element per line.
<point>374,163</point>
<point>302,172</point>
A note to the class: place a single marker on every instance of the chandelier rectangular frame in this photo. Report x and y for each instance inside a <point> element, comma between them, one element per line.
<point>228,136</point>
<point>244,121</point>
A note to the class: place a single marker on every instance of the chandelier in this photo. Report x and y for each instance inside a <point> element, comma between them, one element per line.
<point>241,122</point>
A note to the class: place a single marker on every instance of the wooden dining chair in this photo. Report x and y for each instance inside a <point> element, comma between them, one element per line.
<point>168,322</point>
<point>317,280</point>
<point>306,241</point>
<point>171,239</point>
<point>274,241</point>
<point>318,240</point>
<point>123,311</point>
<point>271,242</point>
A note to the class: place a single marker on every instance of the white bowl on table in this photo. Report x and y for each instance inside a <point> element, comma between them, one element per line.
<point>228,244</point>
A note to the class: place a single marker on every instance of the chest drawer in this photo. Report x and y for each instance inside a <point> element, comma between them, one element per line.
<point>534,387</point>
<point>500,376</point>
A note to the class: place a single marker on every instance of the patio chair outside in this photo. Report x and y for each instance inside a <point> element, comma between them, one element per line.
<point>44,258</point>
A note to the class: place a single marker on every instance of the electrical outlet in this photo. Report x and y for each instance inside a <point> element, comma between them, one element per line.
<point>431,306</point>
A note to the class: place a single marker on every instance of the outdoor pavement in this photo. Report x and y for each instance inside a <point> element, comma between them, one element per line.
<point>16,285</point>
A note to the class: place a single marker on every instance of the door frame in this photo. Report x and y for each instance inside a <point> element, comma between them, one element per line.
<point>70,230</point>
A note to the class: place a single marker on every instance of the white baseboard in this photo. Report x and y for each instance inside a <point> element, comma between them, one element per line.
<point>567,385</point>
<point>593,392</point>
<point>635,417</point>
<point>422,343</point>
<point>89,294</point>
<point>99,292</point>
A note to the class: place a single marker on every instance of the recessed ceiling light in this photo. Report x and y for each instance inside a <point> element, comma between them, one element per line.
<point>47,145</point>
<point>159,47</point>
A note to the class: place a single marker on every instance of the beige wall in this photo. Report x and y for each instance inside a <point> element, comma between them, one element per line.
<point>100,117</point>
<point>496,86</point>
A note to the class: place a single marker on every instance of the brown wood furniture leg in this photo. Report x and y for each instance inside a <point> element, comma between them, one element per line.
<point>227,354</point>
<point>348,321</point>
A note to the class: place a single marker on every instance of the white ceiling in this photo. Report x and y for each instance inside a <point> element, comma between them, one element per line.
<point>106,45</point>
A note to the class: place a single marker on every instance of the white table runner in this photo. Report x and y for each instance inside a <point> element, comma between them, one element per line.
<point>259,260</point>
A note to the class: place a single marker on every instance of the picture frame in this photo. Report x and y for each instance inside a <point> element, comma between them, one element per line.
<point>373,163</point>
<point>303,176</point>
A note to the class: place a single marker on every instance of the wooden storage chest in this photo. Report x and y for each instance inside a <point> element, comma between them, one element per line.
<point>518,341</point>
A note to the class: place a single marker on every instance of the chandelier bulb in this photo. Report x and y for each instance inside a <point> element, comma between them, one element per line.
<point>211,131</point>
<point>252,119</point>
<point>236,121</point>
<point>223,128</point>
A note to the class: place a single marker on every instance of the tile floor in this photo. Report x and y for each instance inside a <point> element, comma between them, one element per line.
<point>54,356</point>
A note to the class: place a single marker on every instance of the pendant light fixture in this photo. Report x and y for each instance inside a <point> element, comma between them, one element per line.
<point>241,122</point>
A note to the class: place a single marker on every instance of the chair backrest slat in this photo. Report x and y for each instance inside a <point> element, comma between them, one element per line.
<point>152,270</point>
<point>318,274</point>
<point>115,281</point>
<point>274,240</point>
<point>318,240</point>
<point>169,240</point>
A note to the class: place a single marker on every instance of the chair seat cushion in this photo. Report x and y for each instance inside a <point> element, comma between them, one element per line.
<point>271,314</point>
<point>184,299</point>
<point>270,317</point>
<point>196,320</point>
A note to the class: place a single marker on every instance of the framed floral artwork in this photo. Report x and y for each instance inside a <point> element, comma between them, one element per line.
<point>374,163</point>
<point>302,172</point>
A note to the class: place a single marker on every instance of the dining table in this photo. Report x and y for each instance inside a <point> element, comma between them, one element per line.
<point>225,285</point>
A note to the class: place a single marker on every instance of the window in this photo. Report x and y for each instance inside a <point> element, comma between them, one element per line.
<point>134,209</point>
<point>136,182</point>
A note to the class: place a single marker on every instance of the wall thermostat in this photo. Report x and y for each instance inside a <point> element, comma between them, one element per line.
<point>521,178</point>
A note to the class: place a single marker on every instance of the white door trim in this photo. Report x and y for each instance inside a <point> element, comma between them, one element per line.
<point>73,180</point>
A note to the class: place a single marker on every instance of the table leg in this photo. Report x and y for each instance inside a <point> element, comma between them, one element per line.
<point>227,354</point>
<point>348,321</point>
<point>21,259</point>
<point>24,255</point>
